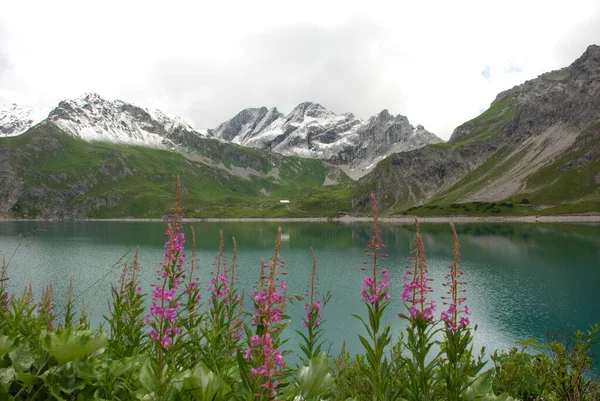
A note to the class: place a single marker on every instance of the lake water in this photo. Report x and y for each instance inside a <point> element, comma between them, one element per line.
<point>523,279</point>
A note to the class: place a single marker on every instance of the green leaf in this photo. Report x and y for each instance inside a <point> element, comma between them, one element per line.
<point>4,395</point>
<point>315,380</point>
<point>66,345</point>
<point>28,379</point>
<point>21,358</point>
<point>7,375</point>
<point>204,385</point>
<point>86,371</point>
<point>148,377</point>
<point>68,382</point>
<point>480,386</point>
<point>6,345</point>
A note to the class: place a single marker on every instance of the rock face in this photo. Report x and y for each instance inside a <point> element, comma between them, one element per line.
<point>521,146</point>
<point>14,119</point>
<point>93,118</point>
<point>312,131</point>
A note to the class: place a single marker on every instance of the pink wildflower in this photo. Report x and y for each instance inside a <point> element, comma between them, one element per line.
<point>165,305</point>
<point>269,305</point>
<point>375,288</point>
<point>416,282</point>
<point>451,317</point>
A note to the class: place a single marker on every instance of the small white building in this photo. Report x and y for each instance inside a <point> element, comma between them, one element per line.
<point>284,201</point>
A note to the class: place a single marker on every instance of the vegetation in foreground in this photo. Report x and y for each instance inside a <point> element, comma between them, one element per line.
<point>182,347</point>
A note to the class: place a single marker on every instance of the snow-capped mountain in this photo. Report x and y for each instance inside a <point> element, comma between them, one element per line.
<point>309,130</point>
<point>93,118</point>
<point>14,119</point>
<point>312,131</point>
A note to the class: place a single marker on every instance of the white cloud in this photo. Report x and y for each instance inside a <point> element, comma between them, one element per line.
<point>205,61</point>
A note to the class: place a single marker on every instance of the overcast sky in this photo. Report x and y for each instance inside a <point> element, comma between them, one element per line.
<point>440,63</point>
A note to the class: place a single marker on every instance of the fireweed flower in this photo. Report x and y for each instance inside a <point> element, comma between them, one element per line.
<point>452,316</point>
<point>375,288</point>
<point>269,306</point>
<point>165,306</point>
<point>375,294</point>
<point>416,283</point>
<point>312,335</point>
<point>219,283</point>
<point>46,305</point>
<point>312,307</point>
<point>225,304</point>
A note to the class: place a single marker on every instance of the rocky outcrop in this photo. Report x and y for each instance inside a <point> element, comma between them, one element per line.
<point>312,131</point>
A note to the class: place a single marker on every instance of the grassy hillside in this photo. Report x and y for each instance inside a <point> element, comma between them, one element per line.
<point>108,180</point>
<point>485,126</point>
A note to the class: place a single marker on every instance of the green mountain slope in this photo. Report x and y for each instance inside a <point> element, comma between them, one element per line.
<point>48,173</point>
<point>536,150</point>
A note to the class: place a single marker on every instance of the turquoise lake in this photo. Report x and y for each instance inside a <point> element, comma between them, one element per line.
<point>523,279</point>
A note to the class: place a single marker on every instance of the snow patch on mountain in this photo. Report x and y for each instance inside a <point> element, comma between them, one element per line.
<point>93,118</point>
<point>308,131</point>
<point>15,119</point>
<point>312,131</point>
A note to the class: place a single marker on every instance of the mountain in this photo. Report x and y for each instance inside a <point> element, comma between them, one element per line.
<point>537,145</point>
<point>14,119</point>
<point>535,150</point>
<point>92,157</point>
<point>308,131</point>
<point>312,131</point>
<point>93,118</point>
<point>49,173</point>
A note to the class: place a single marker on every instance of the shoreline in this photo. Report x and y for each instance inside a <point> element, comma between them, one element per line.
<point>351,219</point>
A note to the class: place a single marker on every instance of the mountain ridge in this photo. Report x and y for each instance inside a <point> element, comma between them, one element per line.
<point>309,130</point>
<point>312,131</point>
<point>535,150</point>
<point>522,147</point>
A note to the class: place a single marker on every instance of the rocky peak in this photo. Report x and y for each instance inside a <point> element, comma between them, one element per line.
<point>310,130</point>
<point>15,119</point>
<point>244,123</point>
<point>307,109</point>
<point>384,115</point>
<point>94,118</point>
<point>589,60</point>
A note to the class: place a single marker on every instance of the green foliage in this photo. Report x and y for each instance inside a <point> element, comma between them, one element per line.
<point>518,373</point>
<point>457,362</point>
<point>349,377</point>
<point>133,181</point>
<point>66,345</point>
<point>561,369</point>
<point>204,385</point>
<point>421,366</point>
<point>313,382</point>
<point>126,320</point>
